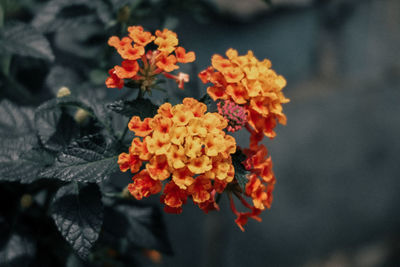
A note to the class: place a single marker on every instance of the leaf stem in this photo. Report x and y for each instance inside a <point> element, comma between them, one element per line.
<point>121,139</point>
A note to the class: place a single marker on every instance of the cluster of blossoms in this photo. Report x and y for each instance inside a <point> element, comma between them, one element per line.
<point>185,146</point>
<point>245,83</point>
<point>163,59</point>
<point>184,151</point>
<point>250,83</point>
<point>234,114</point>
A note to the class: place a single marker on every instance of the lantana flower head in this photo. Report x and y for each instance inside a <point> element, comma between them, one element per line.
<point>141,64</point>
<point>250,83</point>
<point>185,148</point>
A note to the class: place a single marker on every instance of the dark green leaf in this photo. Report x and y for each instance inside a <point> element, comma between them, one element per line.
<point>23,39</point>
<point>240,171</point>
<point>93,106</point>
<point>19,161</point>
<point>15,121</point>
<point>60,76</point>
<point>58,15</point>
<point>23,167</point>
<point>143,108</point>
<point>142,226</point>
<point>19,251</point>
<point>78,215</point>
<point>55,128</point>
<point>90,159</point>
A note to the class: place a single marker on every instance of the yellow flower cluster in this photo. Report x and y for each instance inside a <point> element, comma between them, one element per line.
<point>184,143</point>
<point>251,83</point>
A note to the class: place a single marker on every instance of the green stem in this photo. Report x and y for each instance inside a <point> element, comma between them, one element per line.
<point>140,94</point>
<point>1,17</point>
<point>121,139</point>
<point>5,63</point>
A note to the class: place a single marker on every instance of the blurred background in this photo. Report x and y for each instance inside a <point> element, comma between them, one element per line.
<point>336,201</point>
<point>337,197</point>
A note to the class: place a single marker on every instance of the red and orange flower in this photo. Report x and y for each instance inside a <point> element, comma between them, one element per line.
<point>250,83</point>
<point>141,65</point>
<point>185,146</point>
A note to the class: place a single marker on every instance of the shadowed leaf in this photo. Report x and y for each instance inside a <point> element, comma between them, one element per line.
<point>78,215</point>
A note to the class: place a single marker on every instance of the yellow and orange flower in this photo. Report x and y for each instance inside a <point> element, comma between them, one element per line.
<point>251,83</point>
<point>184,145</point>
<point>141,65</point>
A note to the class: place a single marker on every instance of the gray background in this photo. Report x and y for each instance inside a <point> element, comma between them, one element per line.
<point>337,198</point>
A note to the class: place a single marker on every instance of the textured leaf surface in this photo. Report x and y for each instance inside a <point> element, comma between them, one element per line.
<point>15,121</point>
<point>19,161</point>
<point>142,226</point>
<point>18,251</point>
<point>24,167</point>
<point>78,215</point>
<point>55,128</point>
<point>140,107</point>
<point>240,171</point>
<point>23,39</point>
<point>90,159</point>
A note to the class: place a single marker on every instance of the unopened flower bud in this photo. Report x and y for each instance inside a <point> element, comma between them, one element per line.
<point>63,91</point>
<point>26,201</point>
<point>81,116</point>
<point>124,14</point>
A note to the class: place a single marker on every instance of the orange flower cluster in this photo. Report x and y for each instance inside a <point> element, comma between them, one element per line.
<point>251,83</point>
<point>132,48</point>
<point>185,144</point>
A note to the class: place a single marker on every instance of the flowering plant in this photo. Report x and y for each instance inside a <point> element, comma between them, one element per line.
<point>64,156</point>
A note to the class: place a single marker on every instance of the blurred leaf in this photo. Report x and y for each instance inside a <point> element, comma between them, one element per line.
<point>240,171</point>
<point>78,215</point>
<point>15,121</point>
<point>25,167</point>
<point>84,41</point>
<point>143,108</point>
<point>89,159</point>
<point>58,15</point>
<point>142,226</point>
<point>23,39</point>
<point>19,251</point>
<point>60,76</point>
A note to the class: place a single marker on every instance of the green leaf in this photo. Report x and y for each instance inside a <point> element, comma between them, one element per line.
<point>89,159</point>
<point>57,15</point>
<point>142,226</point>
<point>19,251</point>
<point>78,215</point>
<point>60,76</point>
<point>24,167</point>
<point>24,40</point>
<point>55,128</point>
<point>20,160</point>
<point>143,108</point>
<point>240,171</point>
<point>96,110</point>
<point>15,121</point>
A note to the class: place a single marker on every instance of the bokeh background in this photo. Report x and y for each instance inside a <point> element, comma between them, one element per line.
<point>336,201</point>
<point>337,197</point>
